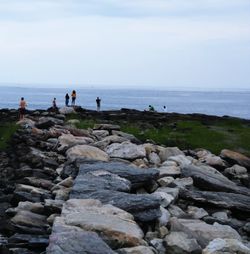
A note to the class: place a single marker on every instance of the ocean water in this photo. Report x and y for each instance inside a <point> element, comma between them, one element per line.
<point>207,102</point>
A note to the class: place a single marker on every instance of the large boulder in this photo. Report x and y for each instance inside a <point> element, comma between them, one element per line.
<point>213,181</point>
<point>203,232</point>
<point>115,226</point>
<point>219,245</point>
<point>136,250</point>
<point>88,152</point>
<point>235,158</point>
<point>126,150</point>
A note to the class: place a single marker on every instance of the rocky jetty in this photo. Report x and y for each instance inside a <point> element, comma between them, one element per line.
<point>100,190</point>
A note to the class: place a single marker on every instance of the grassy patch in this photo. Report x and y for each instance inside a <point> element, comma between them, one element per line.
<point>231,134</point>
<point>6,131</point>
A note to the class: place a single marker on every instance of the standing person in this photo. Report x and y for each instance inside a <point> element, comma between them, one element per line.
<point>67,100</point>
<point>54,104</point>
<point>22,106</point>
<point>73,98</point>
<point>165,109</point>
<point>98,103</point>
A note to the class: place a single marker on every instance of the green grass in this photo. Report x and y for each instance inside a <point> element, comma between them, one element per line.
<point>231,134</point>
<point>6,132</point>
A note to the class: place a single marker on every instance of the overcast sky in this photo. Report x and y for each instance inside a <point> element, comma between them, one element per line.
<point>163,44</point>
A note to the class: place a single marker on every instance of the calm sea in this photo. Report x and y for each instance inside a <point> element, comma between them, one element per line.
<point>211,103</point>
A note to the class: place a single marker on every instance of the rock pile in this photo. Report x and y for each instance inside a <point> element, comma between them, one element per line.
<point>102,191</point>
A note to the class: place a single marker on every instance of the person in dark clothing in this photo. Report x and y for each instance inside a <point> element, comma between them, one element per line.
<point>67,100</point>
<point>98,103</point>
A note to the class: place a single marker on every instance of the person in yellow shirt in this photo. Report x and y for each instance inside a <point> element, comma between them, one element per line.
<point>73,98</point>
<point>22,107</point>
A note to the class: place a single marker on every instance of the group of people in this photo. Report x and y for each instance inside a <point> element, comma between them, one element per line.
<point>23,104</point>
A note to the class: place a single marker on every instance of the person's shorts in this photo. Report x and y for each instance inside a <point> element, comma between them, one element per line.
<point>22,111</point>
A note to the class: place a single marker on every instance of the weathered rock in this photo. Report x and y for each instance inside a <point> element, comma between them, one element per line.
<point>196,213</point>
<point>47,122</point>
<point>30,193</point>
<point>238,173</point>
<point>222,216</point>
<point>136,250</point>
<point>158,245</point>
<point>68,140</point>
<point>169,171</point>
<point>167,152</point>
<point>137,177</point>
<point>165,181</point>
<point>28,241</point>
<point>165,217</point>
<point>235,158</point>
<point>154,158</point>
<point>127,136</point>
<point>52,206</point>
<point>181,160</point>
<point>180,242</point>
<point>182,182</point>
<point>26,123</point>
<point>102,144</point>
<point>100,134</point>
<point>109,127</point>
<point>207,180</point>
<point>203,232</point>
<point>98,180</point>
<point>77,242</point>
<point>88,152</point>
<point>219,245</point>
<point>144,207</point>
<point>177,212</point>
<point>27,206</point>
<point>67,110</point>
<point>126,150</point>
<point>115,226</point>
<point>235,202</point>
<point>246,228</point>
<point>37,182</point>
<point>166,199</point>
<point>28,222</point>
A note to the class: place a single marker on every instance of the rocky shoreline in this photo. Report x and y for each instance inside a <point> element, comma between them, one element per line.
<point>69,190</point>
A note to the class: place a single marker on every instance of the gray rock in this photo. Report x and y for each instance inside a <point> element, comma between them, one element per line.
<point>127,136</point>
<point>98,180</point>
<point>115,226</point>
<point>181,160</point>
<point>180,242</point>
<point>221,216</point>
<point>165,181</point>
<point>177,212</point>
<point>196,213</point>
<point>225,200</point>
<point>136,250</point>
<point>77,242</point>
<point>182,182</point>
<point>203,232</point>
<point>158,245</point>
<point>47,122</point>
<point>109,127</point>
<point>137,177</point>
<point>165,217</point>
<point>87,152</point>
<point>144,207</point>
<point>154,158</point>
<point>67,110</point>
<point>237,172</point>
<point>172,171</point>
<point>206,180</point>
<point>100,134</point>
<point>126,150</point>
<point>219,245</point>
<point>247,228</point>
<point>28,241</point>
<point>52,206</point>
<point>167,152</point>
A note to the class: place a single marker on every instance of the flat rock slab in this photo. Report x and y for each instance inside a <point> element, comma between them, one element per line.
<point>226,200</point>
<point>115,226</point>
<point>203,232</point>
<point>205,179</point>
<point>144,207</point>
<point>137,176</point>
<point>101,179</point>
<point>77,242</point>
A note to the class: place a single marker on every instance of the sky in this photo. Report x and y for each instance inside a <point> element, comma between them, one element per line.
<point>202,44</point>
